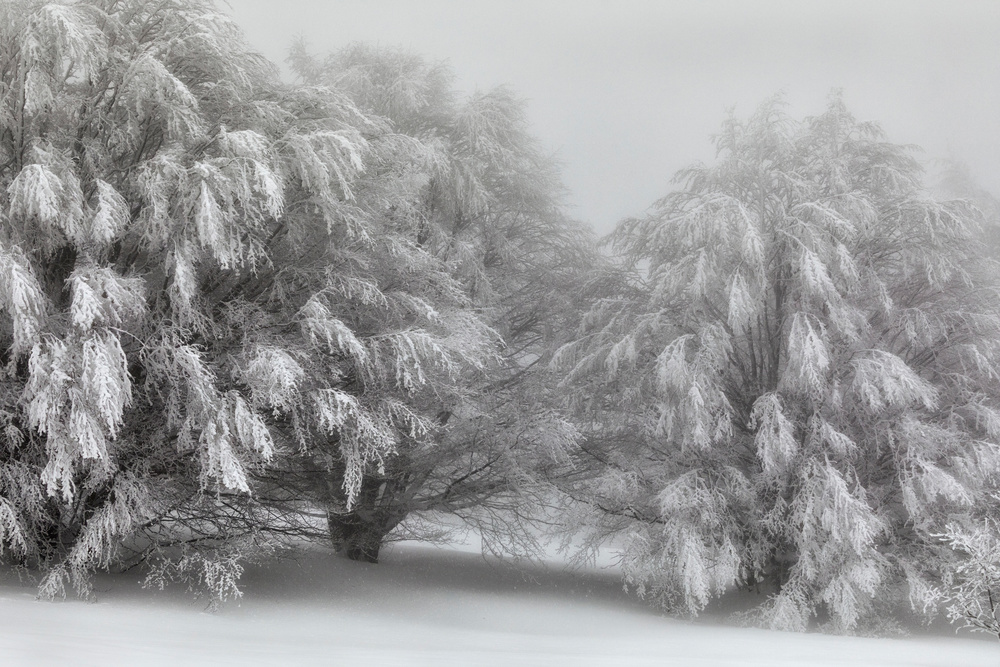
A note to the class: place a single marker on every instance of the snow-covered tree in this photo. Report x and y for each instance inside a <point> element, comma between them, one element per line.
<point>202,278</point>
<point>487,206</point>
<point>794,387</point>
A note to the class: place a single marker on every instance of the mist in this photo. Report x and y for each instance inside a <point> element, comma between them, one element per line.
<point>627,93</point>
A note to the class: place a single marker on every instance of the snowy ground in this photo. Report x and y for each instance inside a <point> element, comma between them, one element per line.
<point>421,606</point>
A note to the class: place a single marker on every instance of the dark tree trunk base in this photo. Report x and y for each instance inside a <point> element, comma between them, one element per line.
<point>355,538</point>
<point>360,533</point>
<point>364,552</point>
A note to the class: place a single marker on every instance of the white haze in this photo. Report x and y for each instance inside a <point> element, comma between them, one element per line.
<point>627,92</point>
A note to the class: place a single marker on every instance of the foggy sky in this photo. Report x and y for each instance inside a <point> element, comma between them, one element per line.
<point>627,92</point>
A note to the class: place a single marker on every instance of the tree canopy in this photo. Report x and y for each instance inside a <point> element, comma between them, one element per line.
<point>231,304</point>
<point>795,386</point>
<point>488,207</point>
<point>201,277</point>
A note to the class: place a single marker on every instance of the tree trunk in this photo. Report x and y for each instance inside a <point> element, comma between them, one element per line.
<point>354,538</point>
<point>359,533</point>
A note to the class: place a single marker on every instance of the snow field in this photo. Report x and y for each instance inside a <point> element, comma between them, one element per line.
<point>421,606</point>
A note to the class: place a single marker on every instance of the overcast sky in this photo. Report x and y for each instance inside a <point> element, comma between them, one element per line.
<point>627,92</point>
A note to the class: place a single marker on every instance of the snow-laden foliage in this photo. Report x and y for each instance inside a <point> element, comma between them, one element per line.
<point>793,385</point>
<point>484,202</point>
<point>205,277</point>
<point>973,595</point>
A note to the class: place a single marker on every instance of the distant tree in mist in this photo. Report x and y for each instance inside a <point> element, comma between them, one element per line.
<point>957,181</point>
<point>795,387</point>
